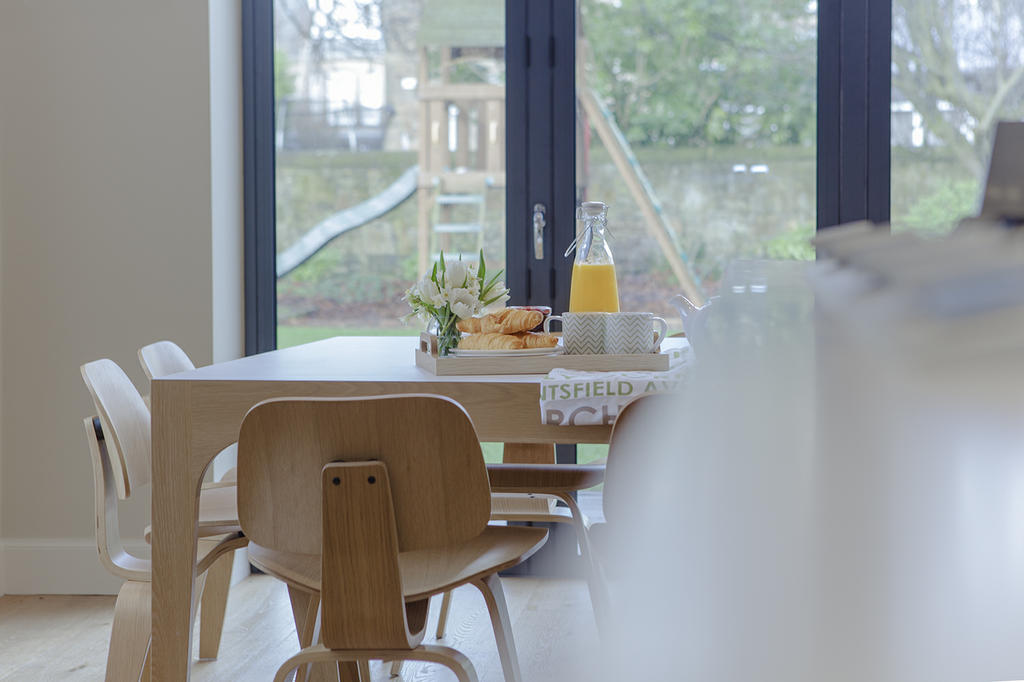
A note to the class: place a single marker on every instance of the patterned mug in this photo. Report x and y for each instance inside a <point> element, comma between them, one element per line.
<point>582,333</point>
<point>633,333</point>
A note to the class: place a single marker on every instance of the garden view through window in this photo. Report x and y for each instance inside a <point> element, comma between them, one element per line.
<point>390,135</point>
<point>390,148</point>
<point>957,70</point>
<point>696,124</point>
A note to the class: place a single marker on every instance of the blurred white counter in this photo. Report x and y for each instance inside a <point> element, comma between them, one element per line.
<point>842,495</point>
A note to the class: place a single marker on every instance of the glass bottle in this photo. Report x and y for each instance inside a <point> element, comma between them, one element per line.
<point>593,287</point>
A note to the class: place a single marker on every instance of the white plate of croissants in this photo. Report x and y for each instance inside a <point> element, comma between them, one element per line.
<point>505,333</point>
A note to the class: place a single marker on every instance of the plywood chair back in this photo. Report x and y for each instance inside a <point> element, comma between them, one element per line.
<point>362,480</point>
<point>164,358</point>
<point>124,418</point>
<point>114,557</point>
<point>362,605</point>
<point>428,444</point>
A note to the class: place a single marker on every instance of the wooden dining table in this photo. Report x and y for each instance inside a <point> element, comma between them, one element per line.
<point>198,413</point>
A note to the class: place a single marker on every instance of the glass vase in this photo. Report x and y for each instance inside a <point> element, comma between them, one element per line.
<point>447,333</point>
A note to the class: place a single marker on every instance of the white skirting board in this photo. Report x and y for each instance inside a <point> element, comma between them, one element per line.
<point>69,566</point>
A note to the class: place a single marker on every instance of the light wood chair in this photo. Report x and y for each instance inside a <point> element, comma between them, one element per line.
<point>624,474</point>
<point>375,504</point>
<point>161,359</point>
<point>119,444</point>
<point>164,358</point>
<point>524,491</point>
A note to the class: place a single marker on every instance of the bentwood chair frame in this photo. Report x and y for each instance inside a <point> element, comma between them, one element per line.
<point>371,506</point>
<point>525,492</point>
<point>118,438</point>
<point>162,359</point>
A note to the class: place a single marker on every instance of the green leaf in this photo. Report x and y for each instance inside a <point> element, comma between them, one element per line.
<point>492,300</point>
<point>490,284</point>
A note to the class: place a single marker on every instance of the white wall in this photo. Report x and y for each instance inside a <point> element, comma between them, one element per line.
<point>121,225</point>
<point>3,578</point>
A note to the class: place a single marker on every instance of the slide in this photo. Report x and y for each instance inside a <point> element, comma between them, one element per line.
<point>341,222</point>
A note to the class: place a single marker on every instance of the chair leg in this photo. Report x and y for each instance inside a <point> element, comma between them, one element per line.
<point>442,655</point>
<point>595,584</point>
<point>442,617</point>
<point>130,634</point>
<point>582,536</point>
<point>304,607</point>
<point>497,607</point>
<point>449,658</point>
<point>364,671</point>
<point>599,600</point>
<point>396,668</point>
<point>212,606</point>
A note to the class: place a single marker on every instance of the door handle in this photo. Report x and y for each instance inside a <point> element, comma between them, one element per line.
<point>538,231</point>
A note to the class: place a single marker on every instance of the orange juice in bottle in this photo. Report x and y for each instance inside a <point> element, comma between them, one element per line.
<point>593,288</point>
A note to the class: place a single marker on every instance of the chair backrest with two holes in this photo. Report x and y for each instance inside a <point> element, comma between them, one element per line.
<point>363,479</point>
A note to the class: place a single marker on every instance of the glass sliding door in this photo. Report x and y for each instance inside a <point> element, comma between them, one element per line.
<point>957,69</point>
<point>696,125</point>
<point>390,148</point>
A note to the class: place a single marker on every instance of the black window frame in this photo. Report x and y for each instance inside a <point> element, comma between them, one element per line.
<point>260,250</point>
<point>854,156</point>
<point>853,140</point>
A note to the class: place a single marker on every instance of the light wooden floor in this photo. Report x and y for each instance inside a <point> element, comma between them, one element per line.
<point>65,638</point>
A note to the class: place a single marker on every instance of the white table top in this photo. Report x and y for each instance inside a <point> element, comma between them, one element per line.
<point>344,359</point>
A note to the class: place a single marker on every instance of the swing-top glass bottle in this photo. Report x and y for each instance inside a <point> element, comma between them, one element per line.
<point>593,287</point>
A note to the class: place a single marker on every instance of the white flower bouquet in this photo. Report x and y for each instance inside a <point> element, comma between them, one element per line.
<point>453,291</point>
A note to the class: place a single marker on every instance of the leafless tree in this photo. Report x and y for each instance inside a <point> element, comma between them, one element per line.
<point>960,63</point>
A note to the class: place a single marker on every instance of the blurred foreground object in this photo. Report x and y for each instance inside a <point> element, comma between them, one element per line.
<point>840,488</point>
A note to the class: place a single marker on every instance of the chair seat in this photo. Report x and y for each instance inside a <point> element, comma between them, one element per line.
<point>556,515</point>
<point>424,572</point>
<point>218,512</point>
<point>544,478</point>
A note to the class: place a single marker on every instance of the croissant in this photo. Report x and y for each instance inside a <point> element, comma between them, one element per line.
<point>507,321</point>
<point>470,325</point>
<point>491,342</point>
<point>534,340</point>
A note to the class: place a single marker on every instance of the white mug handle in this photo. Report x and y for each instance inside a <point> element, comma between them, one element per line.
<point>661,333</point>
<point>549,318</point>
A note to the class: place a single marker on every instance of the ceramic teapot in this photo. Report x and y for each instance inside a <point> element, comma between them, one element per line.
<point>694,319</point>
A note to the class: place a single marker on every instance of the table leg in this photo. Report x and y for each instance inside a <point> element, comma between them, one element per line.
<point>516,503</point>
<point>528,453</point>
<point>175,513</point>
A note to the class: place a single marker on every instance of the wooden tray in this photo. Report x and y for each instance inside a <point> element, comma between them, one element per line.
<point>426,358</point>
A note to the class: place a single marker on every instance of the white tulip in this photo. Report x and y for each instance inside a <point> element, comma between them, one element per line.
<point>456,273</point>
<point>430,293</point>
<point>461,310</point>
<point>466,301</point>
